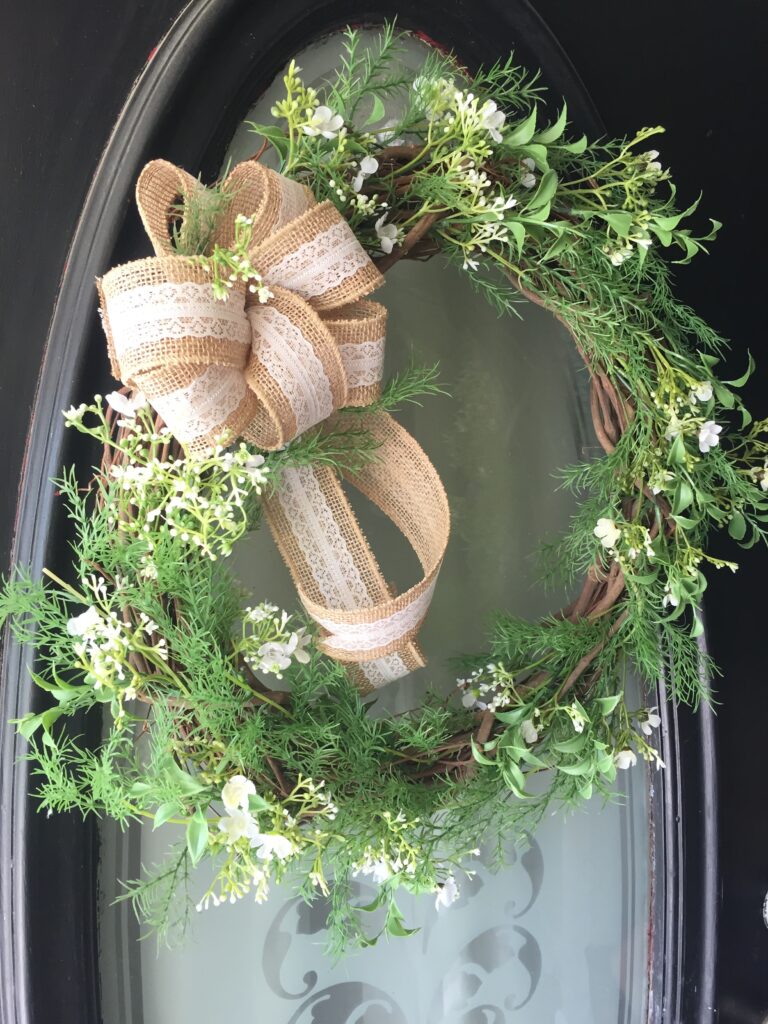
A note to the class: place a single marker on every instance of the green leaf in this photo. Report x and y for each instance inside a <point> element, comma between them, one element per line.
<point>197,836</point>
<point>619,220</point>
<point>570,746</point>
<point>545,191</point>
<point>683,497</point>
<point>742,380</point>
<point>28,724</point>
<point>582,768</point>
<point>518,230</point>
<point>512,771</point>
<point>523,133</point>
<point>737,527</point>
<point>512,717</point>
<point>698,626</point>
<point>551,134</point>
<point>186,782</point>
<point>725,397</point>
<point>480,758</point>
<point>607,704</point>
<point>676,455</point>
<point>377,112</point>
<point>164,812</point>
<point>585,791</point>
<point>577,147</point>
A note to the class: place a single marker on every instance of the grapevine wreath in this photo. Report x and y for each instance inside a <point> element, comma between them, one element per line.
<point>250,353</point>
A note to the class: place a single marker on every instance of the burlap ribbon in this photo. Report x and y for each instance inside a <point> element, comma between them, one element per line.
<point>268,372</point>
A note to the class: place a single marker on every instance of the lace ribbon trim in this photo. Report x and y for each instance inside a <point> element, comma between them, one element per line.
<point>204,405</point>
<point>320,264</point>
<point>369,636</point>
<point>156,312</point>
<point>363,362</point>
<point>292,363</point>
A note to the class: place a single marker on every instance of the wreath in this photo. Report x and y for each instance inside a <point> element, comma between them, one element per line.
<point>149,627</point>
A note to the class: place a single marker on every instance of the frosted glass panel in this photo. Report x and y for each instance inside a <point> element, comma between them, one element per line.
<point>558,935</point>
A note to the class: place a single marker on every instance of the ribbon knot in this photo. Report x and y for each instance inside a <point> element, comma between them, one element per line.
<point>267,372</point>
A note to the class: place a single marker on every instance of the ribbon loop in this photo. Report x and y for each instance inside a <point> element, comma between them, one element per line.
<point>268,372</point>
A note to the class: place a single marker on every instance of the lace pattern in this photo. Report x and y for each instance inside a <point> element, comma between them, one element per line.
<point>321,540</point>
<point>384,670</point>
<point>156,312</point>
<point>204,405</point>
<point>367,636</point>
<point>292,363</point>
<point>363,363</point>
<point>321,264</point>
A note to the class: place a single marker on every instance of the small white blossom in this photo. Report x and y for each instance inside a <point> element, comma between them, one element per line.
<point>671,597</point>
<point>296,646</point>
<point>529,731</point>
<point>386,233</point>
<point>323,122</point>
<point>577,718</point>
<point>624,759</point>
<point>74,414</point>
<point>651,721</point>
<point>236,791</point>
<point>709,436</point>
<point>607,532</point>
<point>368,166</point>
<point>124,405</point>
<point>492,119</point>
<point>764,478</point>
<point>271,844</point>
<point>447,894</point>
<point>702,392</point>
<point>236,825</point>
<point>81,625</point>
<point>528,178</point>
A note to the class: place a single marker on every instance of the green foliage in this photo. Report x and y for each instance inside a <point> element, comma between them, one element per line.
<point>150,630</point>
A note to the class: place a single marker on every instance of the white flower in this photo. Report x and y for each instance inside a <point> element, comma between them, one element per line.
<point>271,844</point>
<point>528,178</point>
<point>82,624</point>
<point>236,792</point>
<point>296,646</point>
<point>764,478</point>
<point>528,730</point>
<point>74,413</point>
<point>671,598</point>
<point>126,406</point>
<point>379,870</point>
<point>652,721</point>
<point>130,693</point>
<point>447,894</point>
<point>274,658</point>
<point>607,533</point>
<point>708,436</point>
<point>492,119</point>
<point>651,161</point>
<point>701,393</point>
<point>579,721</point>
<point>470,700</point>
<point>624,759</point>
<point>368,166</point>
<point>236,825</point>
<point>323,122</point>
<point>386,233</point>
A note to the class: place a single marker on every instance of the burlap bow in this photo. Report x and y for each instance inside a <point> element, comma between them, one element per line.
<point>268,372</point>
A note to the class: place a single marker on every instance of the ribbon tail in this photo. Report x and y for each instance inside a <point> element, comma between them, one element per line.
<point>339,581</point>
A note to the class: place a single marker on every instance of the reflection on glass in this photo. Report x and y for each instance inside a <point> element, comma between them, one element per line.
<point>558,936</point>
